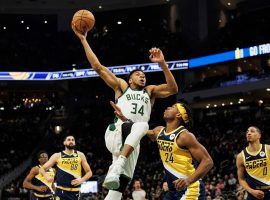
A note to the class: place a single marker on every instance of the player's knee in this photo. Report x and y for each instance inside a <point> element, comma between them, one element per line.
<point>143,126</point>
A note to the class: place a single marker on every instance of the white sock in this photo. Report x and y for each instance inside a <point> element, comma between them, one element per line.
<point>138,130</point>
<point>113,195</point>
<point>121,160</point>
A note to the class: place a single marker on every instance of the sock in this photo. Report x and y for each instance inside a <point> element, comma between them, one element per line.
<point>138,130</point>
<point>113,195</point>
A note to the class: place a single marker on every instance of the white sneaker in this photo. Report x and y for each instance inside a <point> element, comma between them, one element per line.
<point>112,181</point>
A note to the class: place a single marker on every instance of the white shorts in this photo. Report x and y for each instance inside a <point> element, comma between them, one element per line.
<point>114,143</point>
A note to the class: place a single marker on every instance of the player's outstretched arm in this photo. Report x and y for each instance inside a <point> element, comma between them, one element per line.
<point>170,87</point>
<point>110,79</point>
<point>199,153</point>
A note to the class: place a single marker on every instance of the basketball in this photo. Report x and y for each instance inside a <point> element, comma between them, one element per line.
<point>83,20</point>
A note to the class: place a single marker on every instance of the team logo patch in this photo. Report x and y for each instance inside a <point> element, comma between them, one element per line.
<point>172,136</point>
<point>262,154</point>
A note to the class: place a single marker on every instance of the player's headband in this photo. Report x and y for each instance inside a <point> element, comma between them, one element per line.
<point>183,112</point>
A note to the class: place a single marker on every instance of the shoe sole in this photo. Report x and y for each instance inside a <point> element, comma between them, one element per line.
<point>111,184</point>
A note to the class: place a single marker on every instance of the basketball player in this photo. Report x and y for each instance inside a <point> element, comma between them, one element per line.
<point>136,100</point>
<point>178,147</point>
<point>70,163</point>
<point>35,181</point>
<point>253,165</point>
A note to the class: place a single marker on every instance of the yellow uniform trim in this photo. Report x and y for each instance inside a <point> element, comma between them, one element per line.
<point>165,133</point>
<point>266,152</point>
<point>254,153</point>
<point>193,192</point>
<point>68,189</point>
<point>42,179</point>
<point>42,195</point>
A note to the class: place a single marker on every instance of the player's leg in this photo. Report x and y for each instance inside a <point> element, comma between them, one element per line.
<point>133,133</point>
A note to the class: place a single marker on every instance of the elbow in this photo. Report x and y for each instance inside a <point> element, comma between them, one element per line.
<point>24,184</point>
<point>175,89</point>
<point>210,163</point>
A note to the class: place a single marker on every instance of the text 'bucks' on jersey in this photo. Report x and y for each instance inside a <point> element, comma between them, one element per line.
<point>257,166</point>
<point>135,105</point>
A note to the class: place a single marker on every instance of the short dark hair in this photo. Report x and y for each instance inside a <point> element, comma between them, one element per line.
<point>68,135</point>
<point>257,129</point>
<point>133,71</point>
<point>41,152</point>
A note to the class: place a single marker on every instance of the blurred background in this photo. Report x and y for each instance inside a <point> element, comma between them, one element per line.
<point>226,97</point>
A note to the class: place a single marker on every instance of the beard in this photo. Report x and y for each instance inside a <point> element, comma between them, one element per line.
<point>70,147</point>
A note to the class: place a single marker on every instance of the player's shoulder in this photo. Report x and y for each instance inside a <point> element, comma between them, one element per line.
<point>81,154</point>
<point>158,129</point>
<point>123,85</point>
<point>34,170</point>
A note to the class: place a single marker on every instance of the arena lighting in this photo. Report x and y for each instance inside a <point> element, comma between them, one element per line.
<point>27,27</point>
<point>100,7</point>
<point>215,105</point>
<point>229,3</point>
<point>241,100</point>
<point>231,103</point>
<point>268,89</point>
<point>4,28</point>
<point>140,19</point>
<point>223,104</point>
<point>230,55</point>
<point>22,22</point>
<point>119,22</point>
<point>147,67</point>
<point>45,22</point>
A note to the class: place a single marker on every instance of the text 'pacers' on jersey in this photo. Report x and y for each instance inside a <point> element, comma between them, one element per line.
<point>178,163</point>
<point>69,167</point>
<point>257,166</point>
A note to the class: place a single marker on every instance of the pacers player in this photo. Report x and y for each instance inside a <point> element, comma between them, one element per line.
<point>42,189</point>
<point>253,165</point>
<point>136,100</point>
<point>178,147</point>
<point>70,163</point>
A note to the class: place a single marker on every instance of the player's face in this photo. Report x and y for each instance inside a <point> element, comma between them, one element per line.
<point>43,158</point>
<point>70,142</point>
<point>170,112</point>
<point>252,134</point>
<point>138,79</point>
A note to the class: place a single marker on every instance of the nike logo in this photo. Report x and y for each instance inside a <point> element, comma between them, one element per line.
<point>248,157</point>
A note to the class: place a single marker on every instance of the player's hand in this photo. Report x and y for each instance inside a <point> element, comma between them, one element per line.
<point>48,178</point>
<point>258,194</point>
<point>181,184</point>
<point>118,112</point>
<point>156,55</point>
<point>76,182</point>
<point>79,34</point>
<point>42,188</point>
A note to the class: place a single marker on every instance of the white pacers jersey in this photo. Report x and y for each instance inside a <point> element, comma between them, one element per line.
<point>135,105</point>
